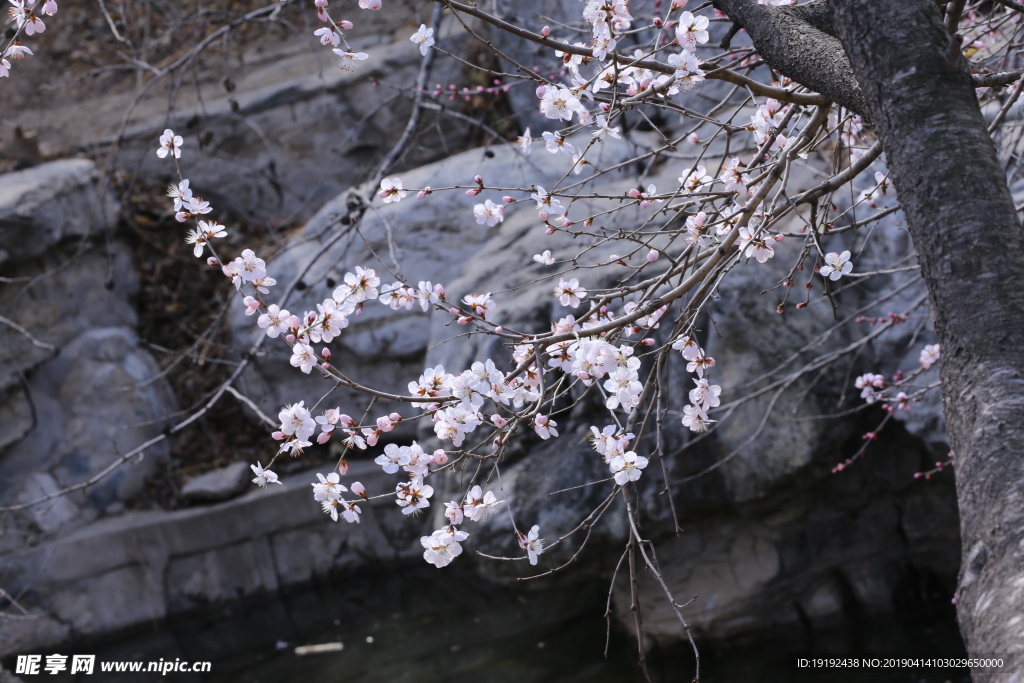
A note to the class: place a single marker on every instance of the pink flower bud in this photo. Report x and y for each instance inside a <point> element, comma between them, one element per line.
<point>693,139</point>
<point>550,231</point>
<point>498,421</point>
<point>542,215</point>
<point>464,320</point>
<point>279,436</point>
<point>326,353</point>
<point>508,200</point>
<point>546,31</point>
<point>605,107</point>
<point>320,3</point>
<point>347,25</point>
<point>653,255</point>
<point>440,457</point>
<point>649,341</point>
<point>453,311</point>
<point>588,222</point>
<point>343,467</point>
<point>634,193</point>
<point>322,15</point>
<point>478,180</point>
<point>324,437</point>
<point>358,489</point>
<point>657,22</point>
<point>212,262</point>
<point>346,420</point>
<point>325,365</point>
<point>583,375</point>
<point>473,192</point>
<point>779,238</point>
<point>499,329</point>
<point>290,338</point>
<point>422,194</point>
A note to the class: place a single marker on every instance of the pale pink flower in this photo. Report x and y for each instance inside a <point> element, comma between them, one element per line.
<point>169,143</point>
<point>424,37</point>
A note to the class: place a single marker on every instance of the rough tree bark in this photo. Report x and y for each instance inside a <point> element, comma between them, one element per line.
<point>918,91</point>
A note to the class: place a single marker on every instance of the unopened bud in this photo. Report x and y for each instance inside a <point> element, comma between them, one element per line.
<point>326,353</point>
<point>324,437</point>
<point>499,329</point>
<point>472,192</point>
<point>546,31</point>
<point>440,457</point>
<point>549,231</point>
<point>478,180</point>
<point>358,489</point>
<point>649,341</point>
<point>508,200</point>
<point>345,24</point>
<point>453,311</point>
<point>464,320</point>
<point>212,262</point>
<point>278,436</point>
<point>290,338</point>
<point>542,215</point>
<point>652,255</point>
<point>634,193</point>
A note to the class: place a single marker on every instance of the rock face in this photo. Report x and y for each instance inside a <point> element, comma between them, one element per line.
<point>42,206</point>
<point>140,566</point>
<point>77,388</point>
<point>219,484</point>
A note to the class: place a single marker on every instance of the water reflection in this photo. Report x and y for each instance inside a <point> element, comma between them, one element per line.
<point>423,625</point>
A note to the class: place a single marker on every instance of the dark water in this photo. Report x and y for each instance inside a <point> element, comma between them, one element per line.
<point>425,625</point>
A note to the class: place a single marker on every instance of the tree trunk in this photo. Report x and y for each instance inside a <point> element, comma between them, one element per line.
<point>918,91</point>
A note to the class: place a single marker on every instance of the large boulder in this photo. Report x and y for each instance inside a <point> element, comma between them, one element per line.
<point>77,387</point>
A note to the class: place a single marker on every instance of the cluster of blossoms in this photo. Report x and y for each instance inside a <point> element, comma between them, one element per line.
<point>705,395</point>
<point>492,403</point>
<point>27,19</point>
<point>611,443</point>
<point>874,387</point>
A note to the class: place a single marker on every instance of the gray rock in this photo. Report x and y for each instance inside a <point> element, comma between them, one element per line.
<point>219,484</point>
<point>101,397</point>
<point>128,570</point>
<point>74,288</point>
<point>43,205</point>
